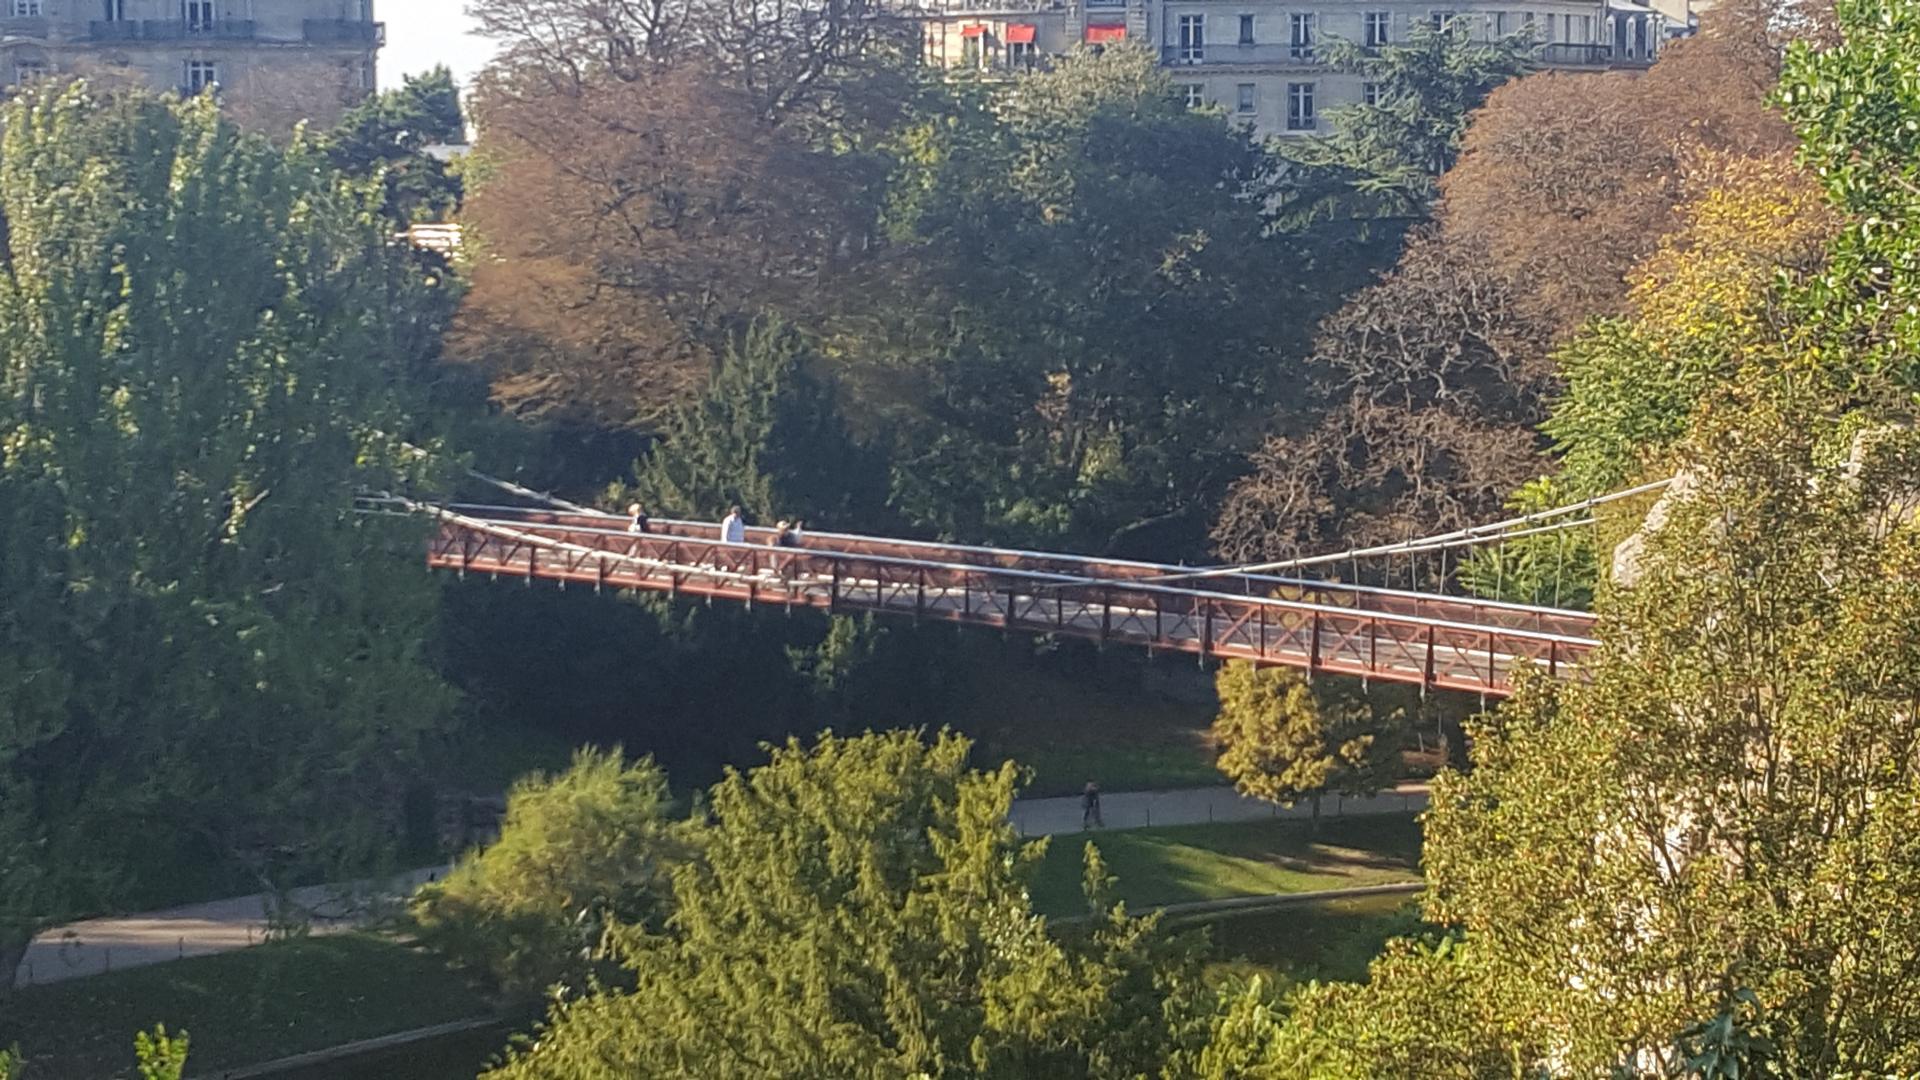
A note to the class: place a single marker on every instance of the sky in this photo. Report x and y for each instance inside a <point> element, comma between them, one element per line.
<point>423,33</point>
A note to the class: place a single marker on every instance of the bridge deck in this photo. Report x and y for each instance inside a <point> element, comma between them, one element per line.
<point>1441,642</point>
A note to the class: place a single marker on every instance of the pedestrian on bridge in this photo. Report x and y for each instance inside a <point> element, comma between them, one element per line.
<point>733,527</point>
<point>786,535</point>
<point>1090,807</point>
<point>637,520</point>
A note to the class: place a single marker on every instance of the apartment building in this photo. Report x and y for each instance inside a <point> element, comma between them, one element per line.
<point>1265,62</point>
<point>277,60</point>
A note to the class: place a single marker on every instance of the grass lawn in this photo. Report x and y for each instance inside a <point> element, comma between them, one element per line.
<point>1070,723</point>
<point>1331,940</point>
<point>242,1008</point>
<point>1211,862</point>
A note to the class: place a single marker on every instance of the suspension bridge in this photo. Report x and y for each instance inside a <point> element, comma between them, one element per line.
<point>1258,614</point>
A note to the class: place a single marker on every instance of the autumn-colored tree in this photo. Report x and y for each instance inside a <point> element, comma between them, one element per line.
<point>1694,307</point>
<point>1282,741</point>
<point>648,178</point>
<point>1435,381</point>
<point>1567,180</point>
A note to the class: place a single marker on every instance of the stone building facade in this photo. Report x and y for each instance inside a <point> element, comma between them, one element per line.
<point>276,60</point>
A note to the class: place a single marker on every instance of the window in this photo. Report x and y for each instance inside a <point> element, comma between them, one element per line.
<point>1300,106</point>
<point>1301,41</point>
<point>970,51</point>
<point>26,71</point>
<point>1193,38</point>
<point>1020,54</point>
<point>1551,36</point>
<point>1499,24</point>
<point>1586,29</point>
<point>1370,93</point>
<point>114,10</point>
<point>1246,97</point>
<point>1526,23</point>
<point>1196,94</point>
<point>1379,28</point>
<point>1443,21</point>
<point>198,14</point>
<point>201,76</point>
<point>1246,29</point>
<point>25,8</point>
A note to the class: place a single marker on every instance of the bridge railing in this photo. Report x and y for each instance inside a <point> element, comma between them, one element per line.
<point>1319,637</point>
<point>1471,610</point>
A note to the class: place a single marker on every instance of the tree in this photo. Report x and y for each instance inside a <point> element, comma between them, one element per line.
<point>650,178</point>
<point>1281,742</point>
<point>1599,160</point>
<point>1426,388</point>
<point>207,657</point>
<point>1067,379</point>
<point>1696,304</point>
<point>1383,159</point>
<point>162,1056</point>
<point>577,852</point>
<point>765,435</point>
<point>387,136</point>
<point>860,909</point>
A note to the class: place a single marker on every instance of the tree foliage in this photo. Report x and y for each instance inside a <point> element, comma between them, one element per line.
<point>1280,741</point>
<point>577,852</point>
<point>860,909</point>
<point>1698,306</point>
<point>1426,386</point>
<point>1086,305</point>
<point>765,435</point>
<point>161,1056</point>
<point>206,656</point>
<point>387,135</point>
<point>1382,161</point>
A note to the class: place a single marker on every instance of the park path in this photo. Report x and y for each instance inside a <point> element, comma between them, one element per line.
<point>127,941</point>
<point>1198,806</point>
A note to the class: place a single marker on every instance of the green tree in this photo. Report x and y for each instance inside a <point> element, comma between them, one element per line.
<point>161,1056</point>
<point>764,435</point>
<point>1282,742</point>
<point>1086,310</point>
<point>206,657</point>
<point>1557,569</point>
<point>577,851</point>
<point>1383,160</point>
<point>861,910</point>
<point>386,137</point>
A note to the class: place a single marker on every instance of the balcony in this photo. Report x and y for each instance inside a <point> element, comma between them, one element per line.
<point>1274,55</point>
<point>115,30</point>
<point>344,32</point>
<point>23,26</point>
<point>1597,56</point>
<point>182,30</point>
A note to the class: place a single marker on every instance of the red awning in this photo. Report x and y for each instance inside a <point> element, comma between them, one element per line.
<point>1102,32</point>
<point>974,30</point>
<point>1019,33</point>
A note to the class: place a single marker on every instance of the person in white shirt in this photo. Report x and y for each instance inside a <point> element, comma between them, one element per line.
<point>733,528</point>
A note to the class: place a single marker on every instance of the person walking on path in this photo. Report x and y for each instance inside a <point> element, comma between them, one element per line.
<point>1090,807</point>
<point>733,528</point>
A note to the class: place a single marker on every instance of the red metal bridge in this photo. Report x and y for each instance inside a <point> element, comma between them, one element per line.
<point>1443,642</point>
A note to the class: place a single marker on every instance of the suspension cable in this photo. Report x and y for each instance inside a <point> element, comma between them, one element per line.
<point>1478,534</point>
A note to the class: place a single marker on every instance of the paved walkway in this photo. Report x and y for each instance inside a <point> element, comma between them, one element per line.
<point>1198,806</point>
<point>100,945</point>
<point>127,941</point>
